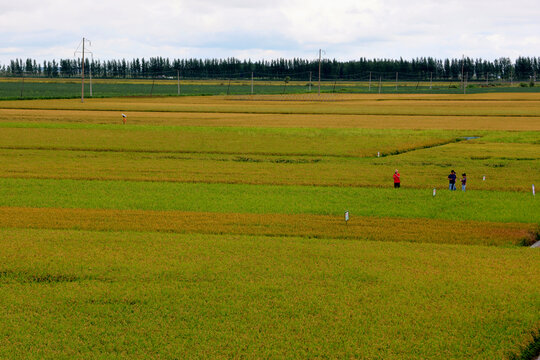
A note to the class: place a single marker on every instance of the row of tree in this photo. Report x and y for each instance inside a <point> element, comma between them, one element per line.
<point>523,68</point>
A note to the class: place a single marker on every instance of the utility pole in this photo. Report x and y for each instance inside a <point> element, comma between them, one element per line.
<point>320,51</point>
<point>462,74</point>
<point>22,83</point>
<point>84,40</point>
<point>178,80</point>
<point>90,72</point>
<point>252,83</point>
<point>82,82</point>
<point>380,81</point>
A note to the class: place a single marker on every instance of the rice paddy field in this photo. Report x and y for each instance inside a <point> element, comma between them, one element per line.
<point>213,227</point>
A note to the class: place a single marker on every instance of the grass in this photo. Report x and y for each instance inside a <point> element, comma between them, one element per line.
<point>139,295</point>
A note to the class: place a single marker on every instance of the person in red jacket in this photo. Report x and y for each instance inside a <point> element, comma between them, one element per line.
<point>397,181</point>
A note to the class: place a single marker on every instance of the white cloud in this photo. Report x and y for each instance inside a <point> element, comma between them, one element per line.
<point>346,29</point>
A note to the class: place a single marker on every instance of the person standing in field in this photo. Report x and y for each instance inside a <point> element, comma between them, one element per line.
<point>452,180</point>
<point>463,181</point>
<point>397,181</point>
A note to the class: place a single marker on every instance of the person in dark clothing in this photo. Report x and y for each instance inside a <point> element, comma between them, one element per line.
<point>397,181</point>
<point>463,181</point>
<point>452,180</point>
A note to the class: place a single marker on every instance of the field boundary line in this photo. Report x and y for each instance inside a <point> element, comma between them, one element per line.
<point>399,152</point>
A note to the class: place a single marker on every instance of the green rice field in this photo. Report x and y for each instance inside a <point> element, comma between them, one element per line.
<point>53,88</point>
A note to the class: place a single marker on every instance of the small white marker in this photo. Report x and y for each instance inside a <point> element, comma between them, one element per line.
<point>346,216</point>
<point>378,154</point>
<point>484,178</point>
<point>434,191</point>
<point>534,194</point>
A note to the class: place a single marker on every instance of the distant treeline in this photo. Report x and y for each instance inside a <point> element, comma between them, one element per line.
<point>524,68</point>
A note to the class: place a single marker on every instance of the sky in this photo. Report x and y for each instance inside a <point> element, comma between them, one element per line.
<point>344,29</point>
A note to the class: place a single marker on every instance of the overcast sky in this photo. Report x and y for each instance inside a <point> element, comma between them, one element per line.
<point>345,29</point>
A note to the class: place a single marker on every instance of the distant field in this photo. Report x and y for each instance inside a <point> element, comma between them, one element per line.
<point>44,88</point>
<point>481,105</point>
<point>315,121</point>
<point>215,225</point>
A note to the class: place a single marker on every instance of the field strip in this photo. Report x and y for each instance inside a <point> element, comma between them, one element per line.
<point>219,105</point>
<point>365,97</point>
<point>216,152</point>
<point>154,151</point>
<point>494,206</point>
<point>226,140</point>
<point>239,181</point>
<point>103,117</point>
<point>267,111</point>
<point>510,96</point>
<point>317,226</point>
